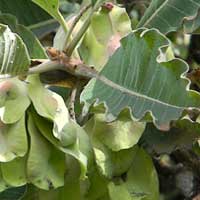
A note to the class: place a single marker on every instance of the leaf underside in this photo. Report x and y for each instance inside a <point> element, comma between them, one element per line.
<point>136,80</point>
<point>14,58</point>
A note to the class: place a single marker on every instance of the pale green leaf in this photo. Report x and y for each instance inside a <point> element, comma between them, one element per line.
<point>142,180</point>
<point>80,150</point>
<point>169,15</point>
<point>45,164</point>
<point>35,193</point>
<point>13,140</point>
<point>140,77</point>
<point>98,185</point>
<point>71,138</point>
<point>14,172</point>
<point>50,105</point>
<point>121,134</point>
<point>13,100</point>
<point>33,45</point>
<point>111,163</point>
<point>72,188</point>
<point>119,192</point>
<point>103,36</point>
<point>3,184</point>
<point>14,57</point>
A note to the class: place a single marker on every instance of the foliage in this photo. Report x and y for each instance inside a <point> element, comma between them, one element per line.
<point>122,99</point>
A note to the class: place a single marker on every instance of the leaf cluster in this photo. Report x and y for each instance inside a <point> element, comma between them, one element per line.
<point>98,114</point>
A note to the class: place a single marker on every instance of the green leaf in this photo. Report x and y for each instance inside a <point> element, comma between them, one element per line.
<point>45,164</point>
<point>73,188</point>
<point>103,36</point>
<point>50,105</point>
<point>119,192</point>
<point>140,77</point>
<point>14,172</point>
<point>13,140</point>
<point>182,135</point>
<point>14,57</point>
<point>169,15</point>
<point>192,26</point>
<point>13,193</point>
<point>21,9</point>
<point>98,185</point>
<point>13,92</point>
<point>71,138</point>
<point>3,184</point>
<point>33,45</point>
<point>111,163</point>
<point>39,21</point>
<point>80,150</point>
<point>52,7</point>
<point>117,135</point>
<point>34,193</point>
<point>142,180</point>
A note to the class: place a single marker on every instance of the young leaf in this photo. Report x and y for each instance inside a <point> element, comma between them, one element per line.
<point>14,172</point>
<point>169,15</point>
<point>50,105</point>
<point>112,164</point>
<point>80,150</point>
<point>13,140</point>
<point>142,180</point>
<point>14,57</point>
<point>98,185</point>
<point>140,78</point>
<point>103,36</point>
<point>117,135</point>
<point>119,192</point>
<point>13,92</point>
<point>45,164</point>
<point>3,184</point>
<point>52,7</point>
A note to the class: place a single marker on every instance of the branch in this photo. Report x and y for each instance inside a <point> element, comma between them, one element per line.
<point>46,66</point>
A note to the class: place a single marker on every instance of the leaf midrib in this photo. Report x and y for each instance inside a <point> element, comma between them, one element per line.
<point>158,10</point>
<point>112,84</point>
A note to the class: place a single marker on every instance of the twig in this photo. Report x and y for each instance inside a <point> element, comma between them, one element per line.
<point>47,65</point>
<point>75,21</point>
<point>72,100</point>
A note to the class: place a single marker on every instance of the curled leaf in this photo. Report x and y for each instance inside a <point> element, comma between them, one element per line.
<point>14,57</point>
